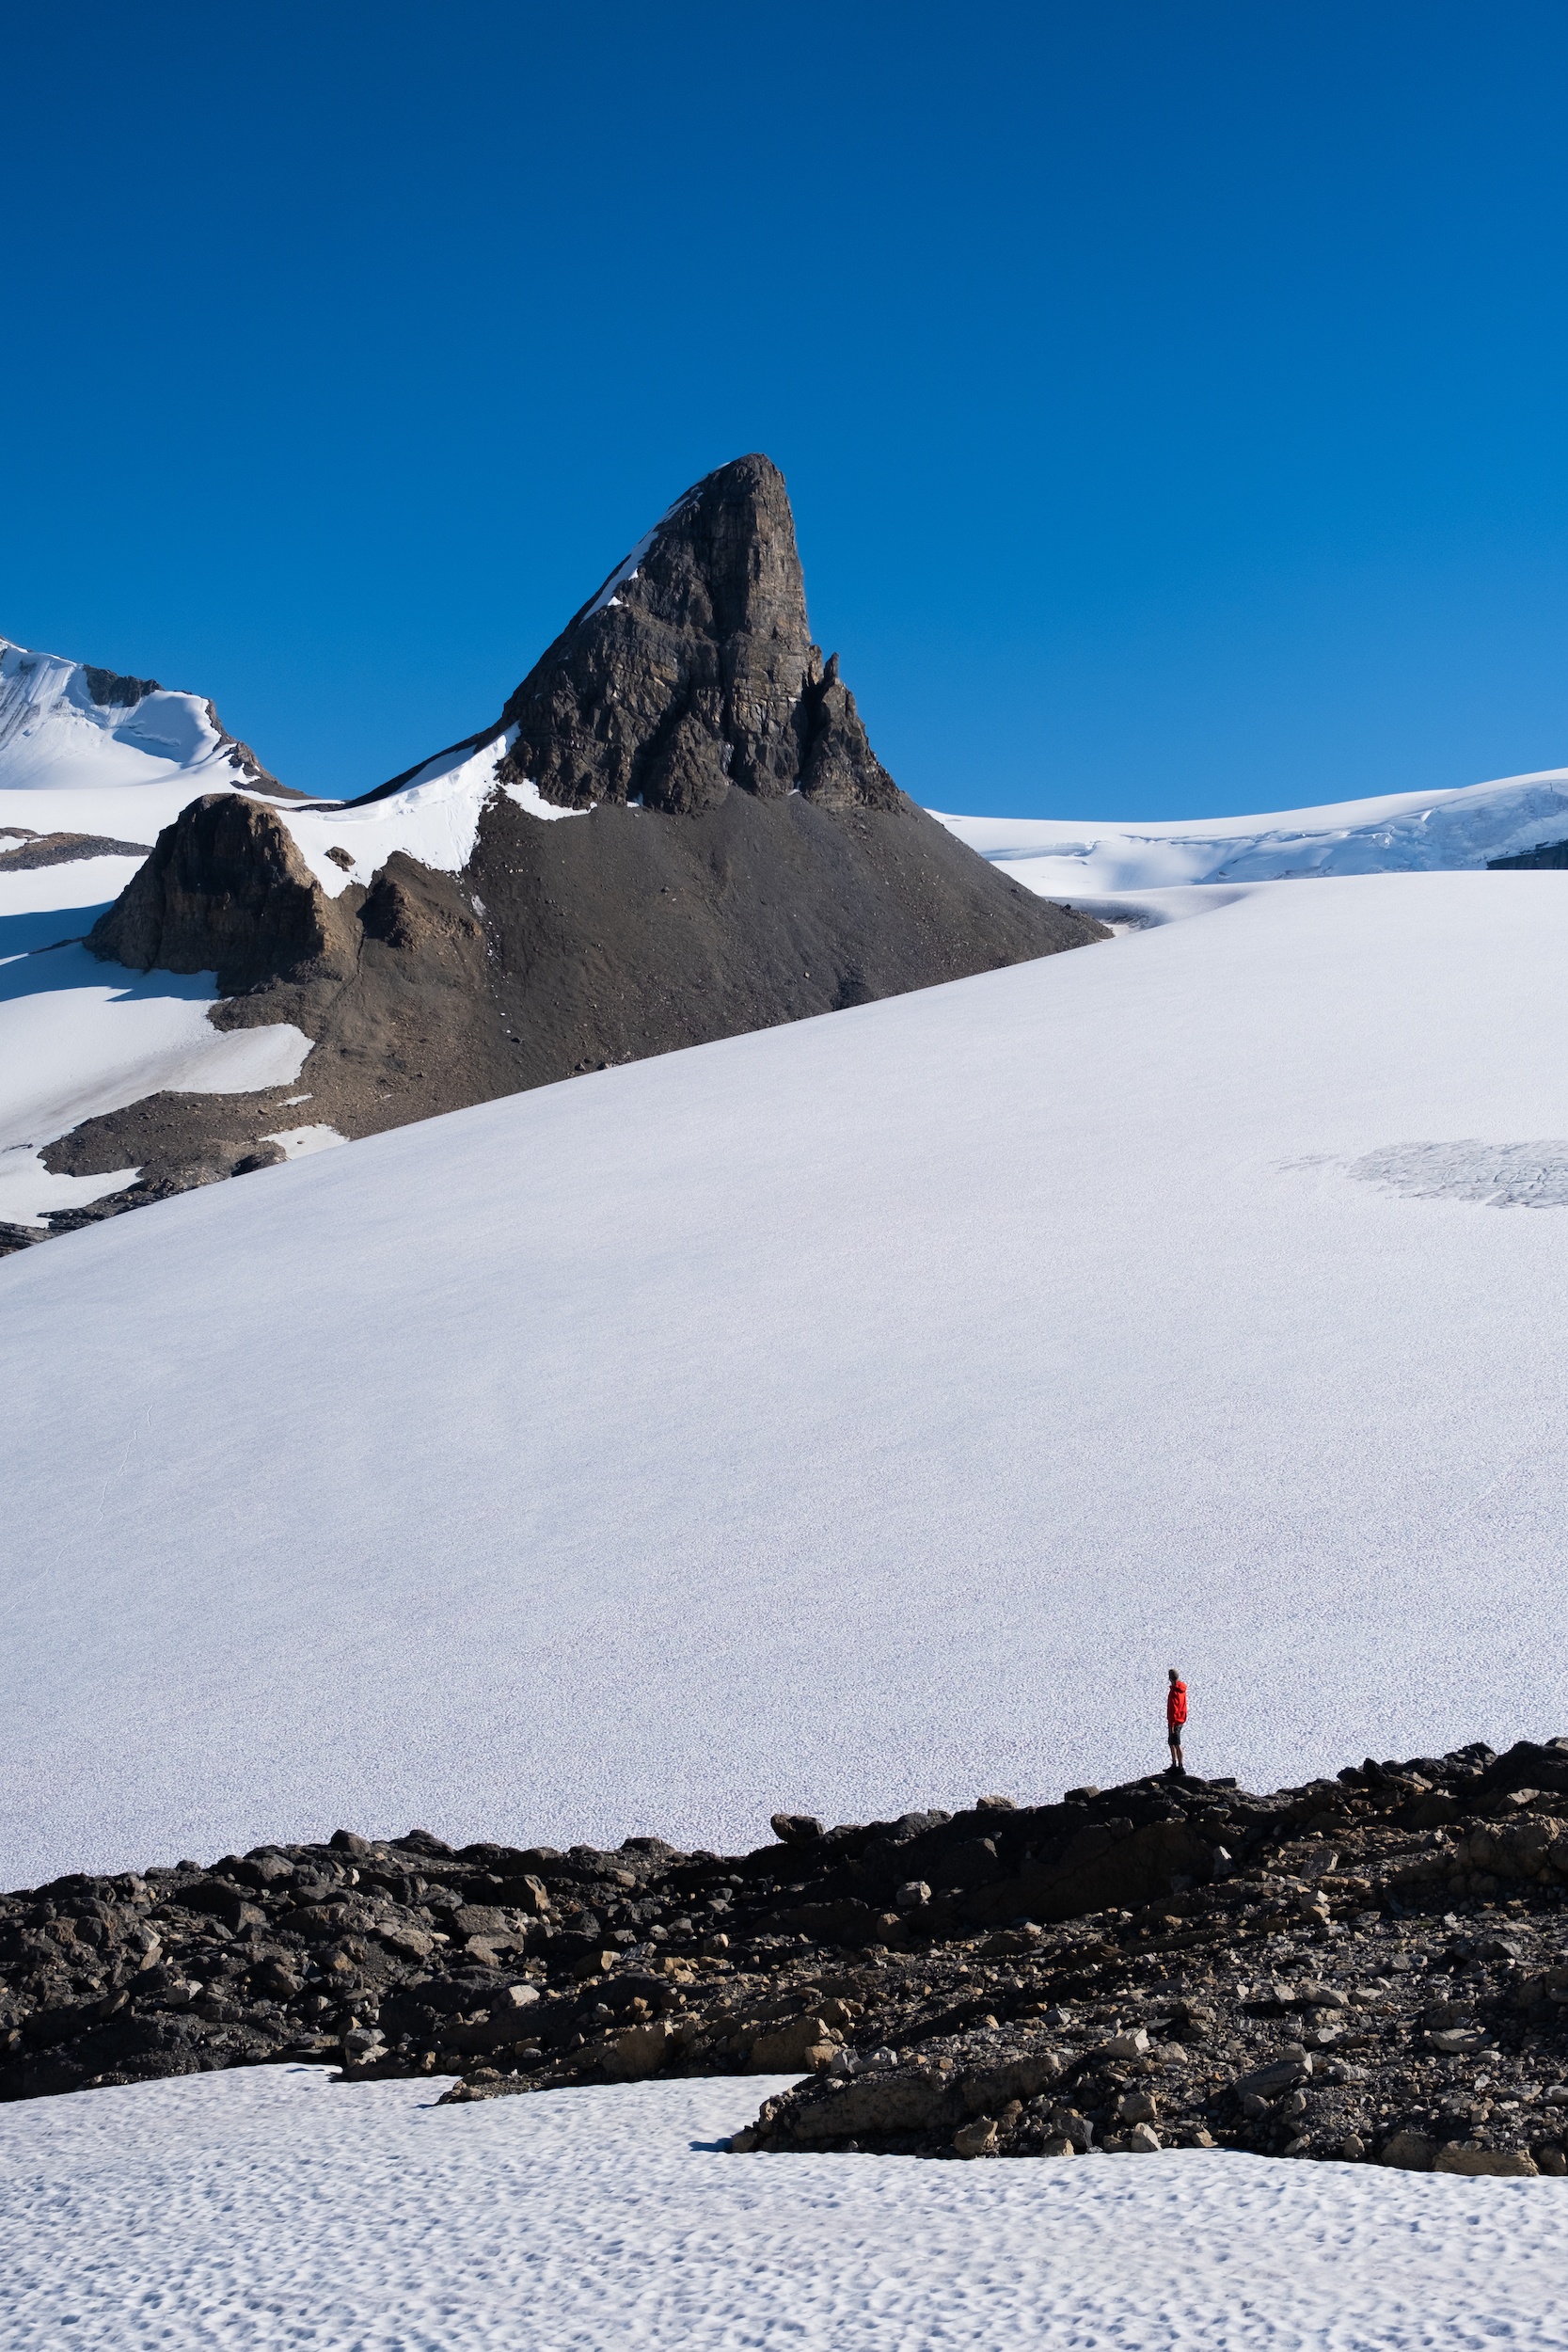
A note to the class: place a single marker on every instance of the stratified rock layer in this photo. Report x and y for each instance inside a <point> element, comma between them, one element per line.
<point>1368,1968</point>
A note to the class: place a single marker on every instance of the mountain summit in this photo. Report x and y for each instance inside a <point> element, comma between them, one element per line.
<point>676,831</point>
<point>693,670</point>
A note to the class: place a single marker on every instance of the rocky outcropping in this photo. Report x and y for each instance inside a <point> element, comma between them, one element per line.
<point>1371,1969</point>
<point>746,861</point>
<point>692,669</point>
<point>1552,854</point>
<point>34,850</point>
<point>227,891</point>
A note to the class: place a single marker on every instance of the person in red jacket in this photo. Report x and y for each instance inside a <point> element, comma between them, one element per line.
<point>1176,1718</point>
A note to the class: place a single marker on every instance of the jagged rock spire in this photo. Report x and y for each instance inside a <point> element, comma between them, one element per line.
<point>692,669</point>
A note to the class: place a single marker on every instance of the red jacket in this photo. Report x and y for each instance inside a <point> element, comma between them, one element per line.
<point>1175,1705</point>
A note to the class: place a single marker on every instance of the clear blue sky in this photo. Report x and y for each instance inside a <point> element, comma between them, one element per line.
<point>1172,396</point>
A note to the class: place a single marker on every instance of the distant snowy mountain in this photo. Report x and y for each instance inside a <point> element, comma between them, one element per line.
<point>68,728</point>
<point>1405,833</point>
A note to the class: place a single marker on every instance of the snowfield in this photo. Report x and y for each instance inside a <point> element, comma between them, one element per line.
<point>434,818</point>
<point>854,1416</point>
<point>79,1036</point>
<point>70,764</point>
<point>1399,834</point>
<point>857,1415</point>
<point>254,2209</point>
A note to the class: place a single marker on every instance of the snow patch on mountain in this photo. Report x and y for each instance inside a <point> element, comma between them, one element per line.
<point>28,1193</point>
<point>75,740</point>
<point>296,1143</point>
<point>1402,833</point>
<point>434,818</point>
<point>79,1036</point>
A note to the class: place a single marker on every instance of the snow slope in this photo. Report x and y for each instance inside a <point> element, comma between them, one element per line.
<point>434,817</point>
<point>79,1036</point>
<point>854,1415</point>
<point>71,764</point>
<point>247,2210</point>
<point>1403,833</point>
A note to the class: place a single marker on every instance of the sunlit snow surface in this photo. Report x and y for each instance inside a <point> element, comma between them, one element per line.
<point>55,737</point>
<point>434,818</point>
<point>1402,833</point>
<point>856,1415</point>
<point>271,2207</point>
<point>79,1036</point>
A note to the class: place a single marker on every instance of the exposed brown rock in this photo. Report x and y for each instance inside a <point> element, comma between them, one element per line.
<point>225,890</point>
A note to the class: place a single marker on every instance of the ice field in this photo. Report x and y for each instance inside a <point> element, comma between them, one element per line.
<point>247,2210</point>
<point>855,1415</point>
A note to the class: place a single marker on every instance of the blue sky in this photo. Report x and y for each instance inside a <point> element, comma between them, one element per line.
<point>1172,397</point>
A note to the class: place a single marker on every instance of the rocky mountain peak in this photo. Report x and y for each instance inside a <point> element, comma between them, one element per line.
<point>741,859</point>
<point>692,669</point>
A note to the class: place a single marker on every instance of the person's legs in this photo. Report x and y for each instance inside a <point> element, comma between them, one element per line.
<point>1177,1763</point>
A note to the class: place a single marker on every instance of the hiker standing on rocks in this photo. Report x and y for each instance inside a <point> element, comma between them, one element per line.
<point>1176,1718</point>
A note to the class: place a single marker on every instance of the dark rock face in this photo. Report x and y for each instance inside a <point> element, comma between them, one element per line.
<point>1368,1968</point>
<point>224,890</point>
<point>63,849</point>
<point>697,672</point>
<point>1546,853</point>
<point>111,691</point>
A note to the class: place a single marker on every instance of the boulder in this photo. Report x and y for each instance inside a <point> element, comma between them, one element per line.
<point>874,2105</point>
<point>802,2046</point>
<point>1464,2156</point>
<point>482,1922</point>
<point>994,2086</point>
<point>1269,2082</point>
<point>638,2052</point>
<point>795,1829</point>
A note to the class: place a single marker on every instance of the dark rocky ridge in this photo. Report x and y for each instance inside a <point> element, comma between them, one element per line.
<point>1546,853</point>
<point>1368,1968</point>
<point>747,861</point>
<point>37,849</point>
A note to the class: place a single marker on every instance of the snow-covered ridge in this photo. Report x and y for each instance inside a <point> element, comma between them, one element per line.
<point>67,726</point>
<point>1403,833</point>
<point>434,818</point>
